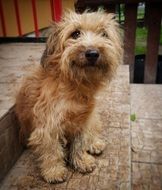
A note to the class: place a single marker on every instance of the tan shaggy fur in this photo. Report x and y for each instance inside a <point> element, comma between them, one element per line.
<point>56,103</point>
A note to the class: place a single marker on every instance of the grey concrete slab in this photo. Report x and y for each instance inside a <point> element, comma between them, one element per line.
<point>147,141</point>
<point>146,176</point>
<point>15,60</point>
<point>146,101</point>
<point>146,135</point>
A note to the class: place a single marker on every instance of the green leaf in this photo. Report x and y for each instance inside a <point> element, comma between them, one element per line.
<point>133,117</point>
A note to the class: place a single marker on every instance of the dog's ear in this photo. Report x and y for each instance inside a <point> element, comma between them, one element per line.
<point>51,44</point>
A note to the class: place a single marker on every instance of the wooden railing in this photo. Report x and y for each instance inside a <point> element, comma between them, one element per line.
<point>55,9</point>
<point>154,15</point>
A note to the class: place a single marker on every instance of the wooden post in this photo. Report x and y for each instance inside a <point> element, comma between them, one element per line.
<point>110,8</point>
<point>56,10</point>
<point>2,20</point>
<point>35,18</point>
<point>18,17</point>
<point>129,36</point>
<point>154,23</point>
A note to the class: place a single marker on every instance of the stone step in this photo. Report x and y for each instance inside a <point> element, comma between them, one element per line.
<point>113,166</point>
<point>146,132</point>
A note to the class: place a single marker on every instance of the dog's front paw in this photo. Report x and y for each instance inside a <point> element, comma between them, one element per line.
<point>96,147</point>
<point>55,174</point>
<point>84,163</point>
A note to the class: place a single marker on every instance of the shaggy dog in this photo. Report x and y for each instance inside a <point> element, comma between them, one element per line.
<point>56,103</point>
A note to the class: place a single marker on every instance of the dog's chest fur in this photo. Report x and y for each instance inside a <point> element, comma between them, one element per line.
<point>73,115</point>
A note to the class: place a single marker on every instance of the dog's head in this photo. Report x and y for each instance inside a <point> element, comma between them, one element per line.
<point>84,46</point>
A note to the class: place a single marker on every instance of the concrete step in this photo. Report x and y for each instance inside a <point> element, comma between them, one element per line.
<point>146,135</point>
<point>15,60</point>
<point>113,166</point>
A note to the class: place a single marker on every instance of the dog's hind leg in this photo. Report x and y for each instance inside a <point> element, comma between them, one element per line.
<point>79,158</point>
<point>88,141</point>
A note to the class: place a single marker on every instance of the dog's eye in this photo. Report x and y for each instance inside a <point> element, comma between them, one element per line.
<point>104,34</point>
<point>75,34</point>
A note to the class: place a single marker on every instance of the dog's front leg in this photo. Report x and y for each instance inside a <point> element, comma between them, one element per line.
<point>94,142</point>
<point>47,147</point>
<point>80,159</point>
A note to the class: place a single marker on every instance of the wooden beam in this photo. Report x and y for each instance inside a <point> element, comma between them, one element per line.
<point>118,1</point>
<point>35,18</point>
<point>2,20</point>
<point>110,8</point>
<point>18,20</point>
<point>153,38</point>
<point>129,36</point>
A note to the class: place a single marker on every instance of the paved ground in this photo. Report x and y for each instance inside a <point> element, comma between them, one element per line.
<point>15,59</point>
<point>116,169</point>
<point>146,103</point>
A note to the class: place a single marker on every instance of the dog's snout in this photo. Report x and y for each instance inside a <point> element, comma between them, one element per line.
<point>92,55</point>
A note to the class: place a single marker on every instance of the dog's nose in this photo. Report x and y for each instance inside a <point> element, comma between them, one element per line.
<point>92,55</point>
